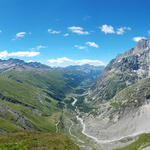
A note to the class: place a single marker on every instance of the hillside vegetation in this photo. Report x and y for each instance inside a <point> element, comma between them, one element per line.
<point>142,142</point>
<point>36,141</point>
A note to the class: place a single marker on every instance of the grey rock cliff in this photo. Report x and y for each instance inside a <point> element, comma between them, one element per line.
<point>123,71</point>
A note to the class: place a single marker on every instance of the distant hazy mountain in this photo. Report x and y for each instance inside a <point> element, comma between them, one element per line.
<point>87,68</point>
<point>17,64</point>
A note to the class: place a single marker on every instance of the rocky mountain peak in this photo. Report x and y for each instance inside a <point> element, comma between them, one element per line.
<point>124,70</point>
<point>17,64</point>
<point>143,44</point>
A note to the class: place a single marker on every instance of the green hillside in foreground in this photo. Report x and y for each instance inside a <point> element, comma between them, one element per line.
<point>33,98</point>
<point>36,141</point>
<point>142,142</point>
<point>26,107</point>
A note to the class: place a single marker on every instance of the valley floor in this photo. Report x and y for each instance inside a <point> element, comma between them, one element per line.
<point>85,140</point>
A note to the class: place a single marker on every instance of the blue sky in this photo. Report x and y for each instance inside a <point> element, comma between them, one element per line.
<point>63,32</point>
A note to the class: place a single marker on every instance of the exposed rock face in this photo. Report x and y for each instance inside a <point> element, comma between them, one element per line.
<point>20,120</point>
<point>19,65</point>
<point>121,97</point>
<point>125,116</point>
<point>123,71</point>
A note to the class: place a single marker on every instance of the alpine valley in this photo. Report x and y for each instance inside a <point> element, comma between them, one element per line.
<point>77,107</point>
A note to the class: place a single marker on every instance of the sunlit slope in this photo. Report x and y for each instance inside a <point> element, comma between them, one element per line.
<point>26,107</point>
<point>36,140</point>
<point>142,142</point>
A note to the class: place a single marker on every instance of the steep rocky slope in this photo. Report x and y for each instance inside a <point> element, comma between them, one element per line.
<point>20,65</point>
<point>126,115</point>
<point>120,100</point>
<point>123,71</point>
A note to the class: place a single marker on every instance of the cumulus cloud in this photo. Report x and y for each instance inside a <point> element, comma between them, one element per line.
<point>80,47</point>
<point>107,29</point>
<point>53,31</point>
<point>0,31</point>
<point>78,30</point>
<point>59,60</point>
<point>64,61</point>
<point>138,38</point>
<point>120,31</point>
<point>38,47</point>
<point>92,44</point>
<point>66,34</point>
<point>5,54</point>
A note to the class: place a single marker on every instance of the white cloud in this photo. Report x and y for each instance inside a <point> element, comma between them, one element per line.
<point>75,28</point>
<point>5,54</point>
<point>59,60</point>
<point>78,30</point>
<point>107,29</point>
<point>66,34</point>
<point>120,31</point>
<point>149,32</point>
<point>138,38</point>
<point>92,44</point>
<point>53,31</point>
<point>20,34</point>
<point>64,61</point>
<point>24,54</point>
<point>80,47</point>
<point>38,47</point>
<point>88,61</point>
<point>0,31</point>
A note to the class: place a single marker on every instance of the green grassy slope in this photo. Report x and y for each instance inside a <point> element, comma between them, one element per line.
<point>142,142</point>
<point>135,95</point>
<point>36,140</point>
<point>33,100</point>
<point>26,106</point>
<point>50,80</point>
<point>28,102</point>
<point>58,82</point>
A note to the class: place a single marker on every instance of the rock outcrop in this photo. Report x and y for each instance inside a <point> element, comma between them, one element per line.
<point>123,71</point>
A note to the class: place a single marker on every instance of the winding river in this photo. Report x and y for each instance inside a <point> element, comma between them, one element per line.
<point>94,138</point>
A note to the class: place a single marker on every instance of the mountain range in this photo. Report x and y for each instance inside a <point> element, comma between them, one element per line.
<point>121,97</point>
<point>32,97</point>
<point>95,107</point>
